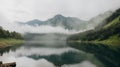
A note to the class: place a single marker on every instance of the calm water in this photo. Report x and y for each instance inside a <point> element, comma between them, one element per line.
<point>60,54</point>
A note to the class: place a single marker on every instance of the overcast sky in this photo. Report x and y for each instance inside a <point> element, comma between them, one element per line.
<point>24,10</point>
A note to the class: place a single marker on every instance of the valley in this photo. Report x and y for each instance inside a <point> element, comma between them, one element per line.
<point>63,41</point>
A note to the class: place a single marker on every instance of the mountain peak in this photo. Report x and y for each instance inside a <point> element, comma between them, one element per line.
<point>59,20</point>
<point>58,16</point>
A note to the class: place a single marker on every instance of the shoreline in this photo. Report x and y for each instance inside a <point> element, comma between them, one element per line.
<point>10,42</point>
<point>114,43</point>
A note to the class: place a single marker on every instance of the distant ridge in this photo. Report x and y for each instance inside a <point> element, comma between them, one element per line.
<point>59,20</point>
<point>70,23</point>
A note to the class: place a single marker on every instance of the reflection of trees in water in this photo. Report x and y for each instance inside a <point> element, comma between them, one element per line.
<point>7,49</point>
<point>109,57</point>
<point>65,58</point>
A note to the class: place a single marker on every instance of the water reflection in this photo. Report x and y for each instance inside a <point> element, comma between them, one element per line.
<point>82,64</point>
<point>110,57</point>
<point>65,58</point>
<point>28,62</point>
<point>40,55</point>
<point>8,49</point>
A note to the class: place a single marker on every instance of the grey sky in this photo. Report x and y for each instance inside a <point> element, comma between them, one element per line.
<point>24,10</point>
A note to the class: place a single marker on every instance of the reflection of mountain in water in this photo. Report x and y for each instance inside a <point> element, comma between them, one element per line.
<point>53,49</point>
<point>110,57</point>
<point>59,56</point>
<point>65,58</point>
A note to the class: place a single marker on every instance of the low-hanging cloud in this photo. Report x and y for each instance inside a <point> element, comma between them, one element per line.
<point>35,29</point>
<point>8,25</point>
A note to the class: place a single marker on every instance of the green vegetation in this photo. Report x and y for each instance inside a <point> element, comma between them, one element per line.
<point>9,38</point>
<point>7,34</point>
<point>9,42</point>
<point>108,32</point>
<point>112,40</point>
<point>113,23</point>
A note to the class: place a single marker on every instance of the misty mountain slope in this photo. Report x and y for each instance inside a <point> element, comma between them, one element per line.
<point>70,23</point>
<point>67,22</point>
<point>34,22</point>
<point>110,19</point>
<point>109,32</point>
<point>97,20</point>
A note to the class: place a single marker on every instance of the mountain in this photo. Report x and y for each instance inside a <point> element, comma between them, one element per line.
<point>108,32</point>
<point>59,20</point>
<point>67,22</point>
<point>70,23</point>
<point>34,22</point>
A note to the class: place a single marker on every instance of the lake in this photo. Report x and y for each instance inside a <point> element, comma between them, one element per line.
<point>58,53</point>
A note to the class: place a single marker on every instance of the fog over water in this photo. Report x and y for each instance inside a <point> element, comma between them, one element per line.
<point>48,50</point>
<point>20,56</point>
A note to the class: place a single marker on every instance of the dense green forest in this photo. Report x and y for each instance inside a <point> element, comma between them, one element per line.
<point>4,34</point>
<point>108,30</point>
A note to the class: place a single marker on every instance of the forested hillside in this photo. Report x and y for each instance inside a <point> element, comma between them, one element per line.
<point>6,34</point>
<point>109,30</point>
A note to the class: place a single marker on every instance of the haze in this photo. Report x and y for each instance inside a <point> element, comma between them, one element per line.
<point>24,10</point>
<point>12,11</point>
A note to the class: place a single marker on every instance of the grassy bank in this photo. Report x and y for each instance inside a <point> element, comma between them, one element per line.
<point>113,41</point>
<point>9,42</point>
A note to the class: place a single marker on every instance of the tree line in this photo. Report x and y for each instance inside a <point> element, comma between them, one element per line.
<point>8,34</point>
